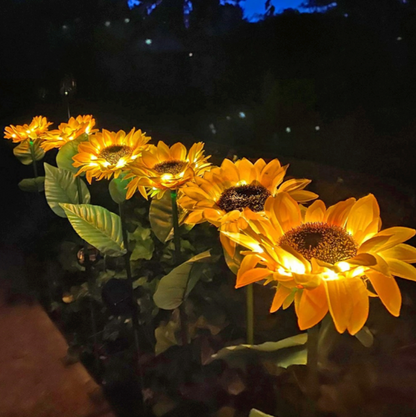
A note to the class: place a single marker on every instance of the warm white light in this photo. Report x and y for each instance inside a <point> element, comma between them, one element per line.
<point>108,23</point>
<point>241,115</point>
<point>191,54</point>
<point>64,27</point>
<point>126,20</point>
<point>399,38</point>
<point>148,41</point>
<point>317,128</point>
<point>121,162</point>
<point>66,93</point>
<point>288,129</point>
<point>344,266</point>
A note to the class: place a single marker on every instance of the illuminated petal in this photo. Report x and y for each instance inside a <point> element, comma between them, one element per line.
<point>315,212</point>
<point>388,291</point>
<point>338,213</point>
<point>247,171</point>
<point>253,275</point>
<point>294,184</point>
<point>313,306</point>
<point>396,235</point>
<point>178,151</point>
<point>402,252</point>
<point>362,214</point>
<point>195,217</point>
<point>401,269</point>
<point>339,303</point>
<point>269,173</point>
<point>286,211</point>
<point>359,305</point>
<point>303,196</point>
<point>281,294</point>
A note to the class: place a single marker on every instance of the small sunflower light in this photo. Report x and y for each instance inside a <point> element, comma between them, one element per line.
<point>33,131</point>
<point>108,153</point>
<point>326,259</point>
<point>68,131</point>
<point>161,168</point>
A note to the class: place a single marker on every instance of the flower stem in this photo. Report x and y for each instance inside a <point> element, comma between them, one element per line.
<point>250,314</point>
<point>91,286</point>
<point>134,311</point>
<point>313,374</point>
<point>177,242</point>
<point>32,154</point>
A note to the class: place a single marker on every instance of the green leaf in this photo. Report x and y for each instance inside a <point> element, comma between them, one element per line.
<point>98,226</point>
<point>64,158</point>
<point>279,351</point>
<point>117,189</point>
<point>160,216</point>
<point>257,413</point>
<point>61,187</point>
<point>144,246</point>
<point>165,336</point>
<point>365,337</point>
<point>32,185</point>
<point>24,154</point>
<point>174,287</point>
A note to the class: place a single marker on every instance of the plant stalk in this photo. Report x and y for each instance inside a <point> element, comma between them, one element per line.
<point>134,312</point>
<point>250,314</point>
<point>91,286</point>
<point>313,374</point>
<point>35,167</point>
<point>177,243</point>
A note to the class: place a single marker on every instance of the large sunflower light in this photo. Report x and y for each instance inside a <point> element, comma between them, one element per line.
<point>161,168</point>
<point>108,153</point>
<point>223,193</point>
<point>326,259</point>
<point>33,131</point>
<point>68,131</point>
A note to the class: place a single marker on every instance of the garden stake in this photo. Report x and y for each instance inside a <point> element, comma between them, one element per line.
<point>91,285</point>
<point>177,242</point>
<point>134,313</point>
<point>250,313</point>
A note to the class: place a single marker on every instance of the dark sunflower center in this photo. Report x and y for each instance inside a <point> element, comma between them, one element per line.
<point>170,167</point>
<point>328,243</point>
<point>114,153</point>
<point>238,198</point>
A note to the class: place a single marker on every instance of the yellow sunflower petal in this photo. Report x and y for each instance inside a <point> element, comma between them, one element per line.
<point>387,289</point>
<point>338,213</point>
<point>281,294</point>
<point>402,252</point>
<point>303,196</point>
<point>286,212</point>
<point>269,173</point>
<point>401,269</point>
<point>361,216</point>
<point>339,303</point>
<point>313,306</point>
<point>315,212</point>
<point>253,275</point>
<point>359,306</point>
<point>194,217</point>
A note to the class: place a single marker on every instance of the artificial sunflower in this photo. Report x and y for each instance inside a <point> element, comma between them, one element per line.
<point>68,131</point>
<point>161,168</point>
<point>223,193</point>
<point>326,259</point>
<point>108,153</point>
<point>33,131</point>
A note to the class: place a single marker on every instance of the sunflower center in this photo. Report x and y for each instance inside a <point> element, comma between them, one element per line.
<point>238,198</point>
<point>326,242</point>
<point>170,167</point>
<point>114,153</point>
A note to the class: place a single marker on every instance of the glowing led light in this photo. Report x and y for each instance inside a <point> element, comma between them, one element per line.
<point>66,93</point>
<point>93,164</point>
<point>317,128</point>
<point>121,163</point>
<point>93,157</point>
<point>241,115</point>
<point>344,266</point>
<point>108,23</point>
<point>166,176</point>
<point>64,27</point>
<point>148,41</point>
<point>126,20</point>
<point>399,38</point>
<point>288,129</point>
<point>358,271</point>
<point>330,276</point>
<point>281,271</point>
<point>191,54</point>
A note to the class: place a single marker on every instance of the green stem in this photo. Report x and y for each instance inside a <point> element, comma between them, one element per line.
<point>176,232</point>
<point>313,375</point>
<point>91,286</point>
<point>177,242</point>
<point>250,314</point>
<point>134,312</point>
